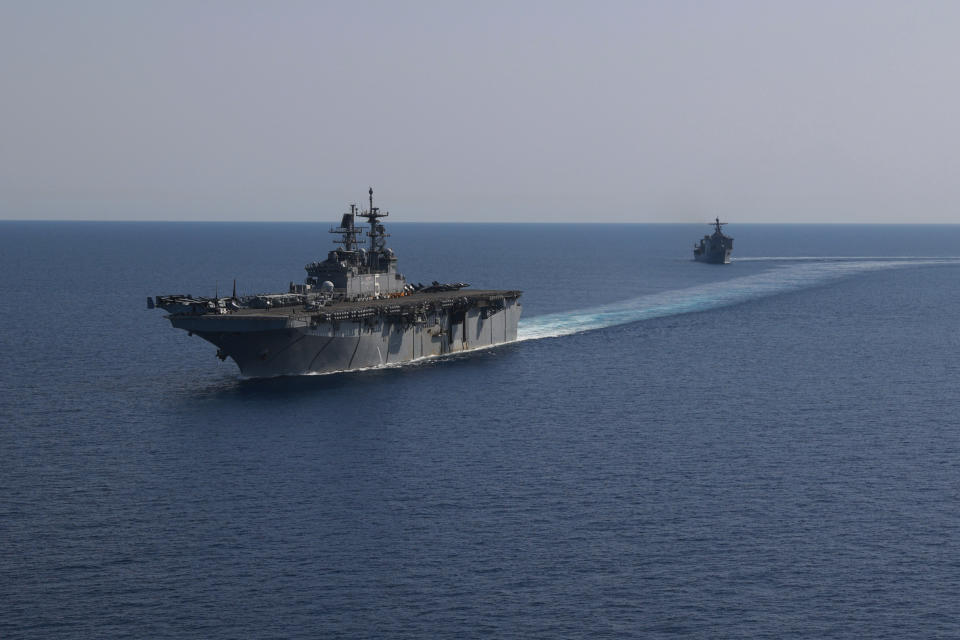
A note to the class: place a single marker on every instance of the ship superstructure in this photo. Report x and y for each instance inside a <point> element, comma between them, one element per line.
<point>354,310</point>
<point>715,248</point>
<point>355,270</point>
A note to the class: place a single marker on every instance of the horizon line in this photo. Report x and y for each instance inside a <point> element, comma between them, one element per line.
<point>456,222</point>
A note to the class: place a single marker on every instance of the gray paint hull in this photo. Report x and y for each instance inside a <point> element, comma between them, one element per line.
<point>288,345</point>
<point>719,255</point>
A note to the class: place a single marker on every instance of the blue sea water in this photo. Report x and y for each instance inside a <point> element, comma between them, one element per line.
<point>767,449</point>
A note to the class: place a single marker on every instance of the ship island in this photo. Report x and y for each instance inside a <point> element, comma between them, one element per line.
<point>354,310</point>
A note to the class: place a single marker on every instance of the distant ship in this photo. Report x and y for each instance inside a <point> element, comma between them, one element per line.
<point>715,248</point>
<point>354,311</point>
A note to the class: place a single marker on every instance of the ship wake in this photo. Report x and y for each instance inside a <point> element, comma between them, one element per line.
<point>787,274</point>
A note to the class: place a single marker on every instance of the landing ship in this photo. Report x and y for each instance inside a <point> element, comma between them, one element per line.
<point>715,248</point>
<point>353,311</point>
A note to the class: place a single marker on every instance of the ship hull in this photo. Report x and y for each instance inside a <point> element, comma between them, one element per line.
<point>716,256</point>
<point>269,347</point>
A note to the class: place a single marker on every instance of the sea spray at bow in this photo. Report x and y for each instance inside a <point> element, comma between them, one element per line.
<point>807,272</point>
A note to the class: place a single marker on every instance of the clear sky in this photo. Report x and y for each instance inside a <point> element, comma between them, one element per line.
<point>664,111</point>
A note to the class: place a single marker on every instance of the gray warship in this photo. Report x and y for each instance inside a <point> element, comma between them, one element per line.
<point>715,248</point>
<point>353,311</point>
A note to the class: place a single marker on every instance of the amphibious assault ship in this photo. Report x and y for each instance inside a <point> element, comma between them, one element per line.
<point>715,248</point>
<point>353,311</point>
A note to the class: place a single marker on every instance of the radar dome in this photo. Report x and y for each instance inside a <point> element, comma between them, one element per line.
<point>326,287</point>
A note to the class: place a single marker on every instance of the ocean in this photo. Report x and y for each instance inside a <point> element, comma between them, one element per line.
<point>766,449</point>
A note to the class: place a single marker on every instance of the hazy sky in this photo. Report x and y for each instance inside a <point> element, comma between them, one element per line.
<point>666,111</point>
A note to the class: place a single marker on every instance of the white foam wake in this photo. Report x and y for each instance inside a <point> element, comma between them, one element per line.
<point>779,279</point>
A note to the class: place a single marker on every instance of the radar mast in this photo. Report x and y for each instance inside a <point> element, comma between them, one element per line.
<point>348,231</point>
<point>377,234</point>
